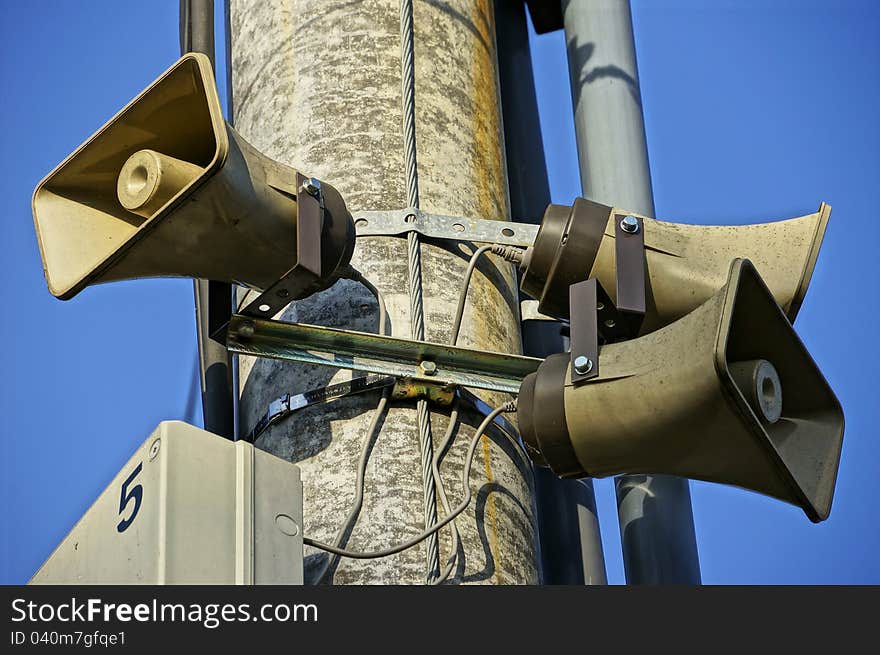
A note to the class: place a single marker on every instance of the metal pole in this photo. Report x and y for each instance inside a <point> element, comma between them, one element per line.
<point>318,86</point>
<point>656,520</point>
<point>571,545</point>
<point>213,300</point>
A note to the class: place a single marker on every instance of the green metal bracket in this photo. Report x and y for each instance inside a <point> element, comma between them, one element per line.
<point>371,353</point>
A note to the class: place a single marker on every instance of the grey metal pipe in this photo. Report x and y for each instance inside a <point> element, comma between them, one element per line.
<point>568,526</point>
<point>213,300</point>
<point>656,520</point>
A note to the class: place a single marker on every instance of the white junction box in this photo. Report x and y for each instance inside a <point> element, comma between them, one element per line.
<point>188,508</point>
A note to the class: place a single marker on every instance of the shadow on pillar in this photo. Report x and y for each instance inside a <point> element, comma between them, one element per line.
<point>659,541</point>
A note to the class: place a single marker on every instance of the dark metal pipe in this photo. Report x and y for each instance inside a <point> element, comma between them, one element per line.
<point>213,300</point>
<point>568,526</point>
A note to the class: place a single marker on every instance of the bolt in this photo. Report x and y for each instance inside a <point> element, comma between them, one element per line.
<point>428,367</point>
<point>630,224</point>
<point>154,448</point>
<point>247,329</point>
<point>312,186</point>
<point>582,364</point>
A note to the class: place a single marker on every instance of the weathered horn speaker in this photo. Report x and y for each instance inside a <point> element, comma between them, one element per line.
<point>726,394</point>
<point>686,264</point>
<point>167,188</point>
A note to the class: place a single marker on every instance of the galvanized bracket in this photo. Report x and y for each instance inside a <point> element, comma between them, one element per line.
<point>421,361</point>
<point>307,270</point>
<point>594,315</point>
<point>437,226</point>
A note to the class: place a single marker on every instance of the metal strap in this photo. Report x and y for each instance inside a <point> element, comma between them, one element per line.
<point>436,226</point>
<point>282,407</point>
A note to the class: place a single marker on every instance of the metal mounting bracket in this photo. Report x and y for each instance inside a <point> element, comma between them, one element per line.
<point>307,269</point>
<point>629,252</point>
<point>437,226</point>
<point>583,301</point>
<point>592,312</point>
<point>360,351</point>
<point>309,221</point>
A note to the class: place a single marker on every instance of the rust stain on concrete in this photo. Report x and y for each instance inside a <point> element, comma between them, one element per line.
<point>491,518</point>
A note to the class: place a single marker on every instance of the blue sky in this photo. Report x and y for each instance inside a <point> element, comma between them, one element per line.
<point>754,111</point>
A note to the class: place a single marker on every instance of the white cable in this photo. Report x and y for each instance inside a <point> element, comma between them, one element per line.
<point>507,252</point>
<point>366,445</point>
<point>393,550</point>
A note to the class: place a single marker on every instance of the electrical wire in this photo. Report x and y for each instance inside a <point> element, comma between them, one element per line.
<point>351,273</point>
<point>358,502</point>
<point>453,417</point>
<point>465,476</point>
<point>508,253</point>
<point>463,293</point>
<point>369,439</point>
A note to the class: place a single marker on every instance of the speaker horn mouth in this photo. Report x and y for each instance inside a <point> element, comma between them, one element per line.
<point>84,221</point>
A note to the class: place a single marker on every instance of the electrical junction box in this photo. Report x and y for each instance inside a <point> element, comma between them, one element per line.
<point>188,508</point>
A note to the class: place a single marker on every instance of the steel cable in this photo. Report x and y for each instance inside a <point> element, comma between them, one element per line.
<point>414,268</point>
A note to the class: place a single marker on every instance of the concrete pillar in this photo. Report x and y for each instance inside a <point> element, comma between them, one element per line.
<point>317,86</point>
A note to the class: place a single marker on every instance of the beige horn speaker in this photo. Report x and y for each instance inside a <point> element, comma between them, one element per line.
<point>726,394</point>
<point>686,264</point>
<point>168,188</point>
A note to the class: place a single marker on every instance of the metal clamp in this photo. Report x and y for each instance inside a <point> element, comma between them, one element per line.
<point>435,392</point>
<point>437,226</point>
<point>282,407</point>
